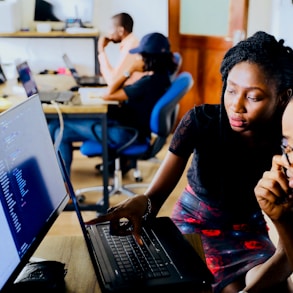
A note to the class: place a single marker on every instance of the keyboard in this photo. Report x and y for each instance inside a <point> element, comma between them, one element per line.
<point>135,261</point>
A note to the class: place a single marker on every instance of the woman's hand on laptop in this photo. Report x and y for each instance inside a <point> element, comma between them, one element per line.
<point>126,218</point>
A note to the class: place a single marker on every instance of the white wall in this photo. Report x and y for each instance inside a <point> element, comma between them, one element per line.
<point>148,17</point>
<point>272,16</point>
<point>259,16</point>
<point>47,53</point>
<point>282,20</point>
<point>152,17</point>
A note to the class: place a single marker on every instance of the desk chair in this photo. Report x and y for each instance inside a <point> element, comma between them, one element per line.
<point>162,122</point>
<point>178,60</point>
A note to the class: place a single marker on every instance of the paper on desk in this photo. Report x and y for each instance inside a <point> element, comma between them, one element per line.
<point>92,96</point>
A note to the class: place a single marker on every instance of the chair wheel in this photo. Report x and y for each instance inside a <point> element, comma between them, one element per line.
<point>138,179</point>
<point>81,198</point>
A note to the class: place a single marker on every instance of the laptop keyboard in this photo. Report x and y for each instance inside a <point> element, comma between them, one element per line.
<point>138,262</point>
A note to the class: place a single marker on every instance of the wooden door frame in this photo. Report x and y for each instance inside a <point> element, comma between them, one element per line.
<point>238,12</point>
<point>202,54</point>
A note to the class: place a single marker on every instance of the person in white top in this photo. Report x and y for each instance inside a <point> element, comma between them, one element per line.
<point>122,25</point>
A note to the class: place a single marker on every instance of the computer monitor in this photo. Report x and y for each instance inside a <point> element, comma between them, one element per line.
<point>62,10</point>
<point>32,189</point>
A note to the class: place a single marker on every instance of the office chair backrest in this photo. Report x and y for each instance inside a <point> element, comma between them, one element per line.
<point>161,117</point>
<point>162,121</point>
<point>165,112</point>
<point>178,61</point>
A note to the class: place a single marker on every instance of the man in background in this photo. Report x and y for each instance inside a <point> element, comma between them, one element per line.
<point>121,33</point>
<point>137,94</point>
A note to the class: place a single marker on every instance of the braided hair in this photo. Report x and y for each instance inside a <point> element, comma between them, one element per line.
<point>271,55</point>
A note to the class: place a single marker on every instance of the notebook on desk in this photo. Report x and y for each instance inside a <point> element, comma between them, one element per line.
<point>94,96</point>
<point>165,261</point>
<point>83,80</point>
<point>32,191</point>
<point>30,86</point>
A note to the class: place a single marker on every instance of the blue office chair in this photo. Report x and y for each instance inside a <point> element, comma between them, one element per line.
<point>162,122</point>
<point>178,61</point>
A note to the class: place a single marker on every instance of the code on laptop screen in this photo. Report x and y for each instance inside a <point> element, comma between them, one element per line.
<point>31,185</point>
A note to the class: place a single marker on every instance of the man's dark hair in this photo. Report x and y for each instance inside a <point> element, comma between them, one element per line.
<point>124,20</point>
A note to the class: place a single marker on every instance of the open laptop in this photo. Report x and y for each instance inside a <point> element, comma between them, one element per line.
<point>30,86</point>
<point>32,191</point>
<point>166,260</point>
<point>83,80</point>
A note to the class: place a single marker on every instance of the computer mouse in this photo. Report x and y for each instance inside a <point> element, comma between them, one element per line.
<point>74,88</point>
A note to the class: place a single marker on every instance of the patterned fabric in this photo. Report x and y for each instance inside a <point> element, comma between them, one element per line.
<point>231,249</point>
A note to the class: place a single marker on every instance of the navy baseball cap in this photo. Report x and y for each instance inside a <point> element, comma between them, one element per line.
<point>153,43</point>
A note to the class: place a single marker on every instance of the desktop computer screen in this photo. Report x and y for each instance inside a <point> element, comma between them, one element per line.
<point>62,10</point>
<point>32,189</point>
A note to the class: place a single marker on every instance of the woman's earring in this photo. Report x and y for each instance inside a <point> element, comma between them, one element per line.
<point>289,93</point>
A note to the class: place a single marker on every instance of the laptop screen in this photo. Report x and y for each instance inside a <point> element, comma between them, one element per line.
<point>27,79</point>
<point>71,67</point>
<point>2,75</point>
<point>32,190</point>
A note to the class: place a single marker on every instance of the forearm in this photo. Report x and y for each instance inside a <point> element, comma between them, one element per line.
<point>119,96</point>
<point>165,180</point>
<point>106,68</point>
<point>274,271</point>
<point>285,230</point>
<point>117,84</point>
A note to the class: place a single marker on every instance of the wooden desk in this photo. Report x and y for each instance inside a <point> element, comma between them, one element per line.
<point>72,251</point>
<point>15,96</point>
<point>62,35</point>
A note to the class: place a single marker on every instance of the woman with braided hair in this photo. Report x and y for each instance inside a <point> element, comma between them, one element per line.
<point>231,144</point>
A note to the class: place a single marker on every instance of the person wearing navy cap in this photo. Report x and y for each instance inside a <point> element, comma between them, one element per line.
<point>137,91</point>
<point>154,43</point>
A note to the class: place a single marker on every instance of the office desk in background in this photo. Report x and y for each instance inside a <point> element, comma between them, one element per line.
<point>15,94</point>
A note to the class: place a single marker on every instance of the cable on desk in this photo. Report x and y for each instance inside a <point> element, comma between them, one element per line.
<point>61,123</point>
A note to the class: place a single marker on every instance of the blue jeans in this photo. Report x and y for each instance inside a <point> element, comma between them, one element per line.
<point>76,130</point>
